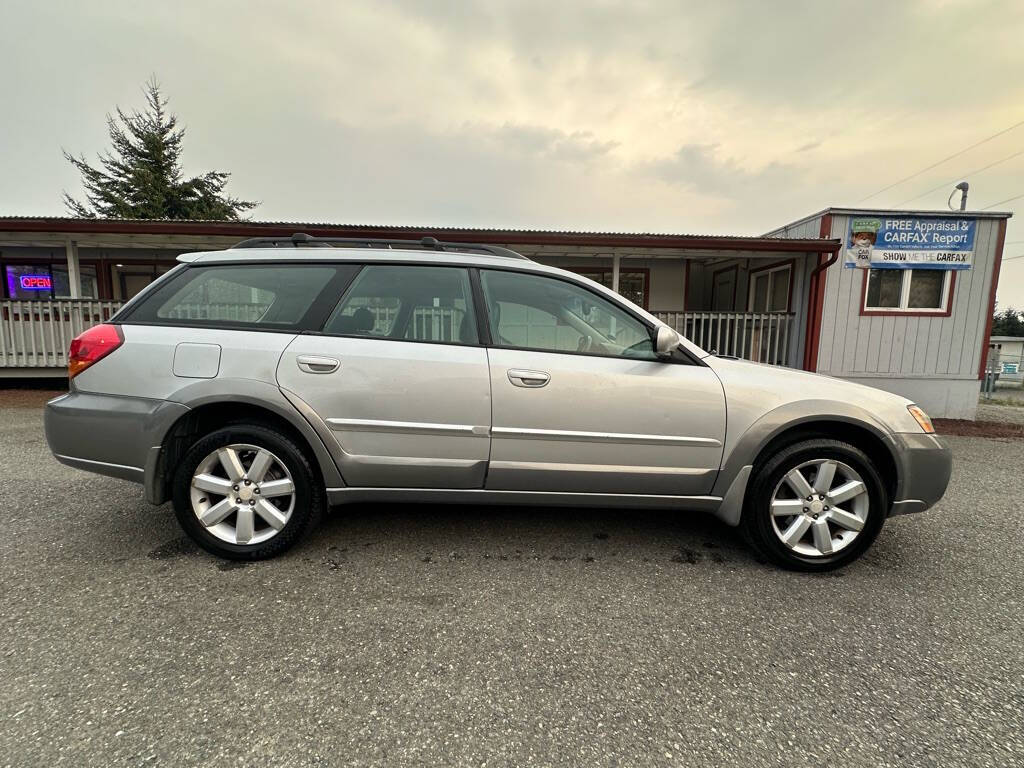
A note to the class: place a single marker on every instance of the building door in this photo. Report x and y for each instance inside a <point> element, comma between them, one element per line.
<point>581,404</point>
<point>770,289</point>
<point>723,290</point>
<point>133,282</point>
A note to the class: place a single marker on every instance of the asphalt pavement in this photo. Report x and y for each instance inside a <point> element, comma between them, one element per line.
<point>425,635</point>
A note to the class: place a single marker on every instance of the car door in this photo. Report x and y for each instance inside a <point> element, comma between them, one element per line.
<point>580,401</point>
<point>399,376</point>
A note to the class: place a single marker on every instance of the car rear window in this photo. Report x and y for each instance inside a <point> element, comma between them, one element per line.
<point>277,296</point>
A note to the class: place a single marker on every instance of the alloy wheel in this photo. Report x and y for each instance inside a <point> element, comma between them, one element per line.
<point>819,507</point>
<point>242,494</point>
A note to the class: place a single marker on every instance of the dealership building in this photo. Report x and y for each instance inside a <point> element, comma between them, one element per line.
<point>900,300</point>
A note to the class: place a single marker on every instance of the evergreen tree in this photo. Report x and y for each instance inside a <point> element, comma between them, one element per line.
<point>141,177</point>
<point>1009,322</point>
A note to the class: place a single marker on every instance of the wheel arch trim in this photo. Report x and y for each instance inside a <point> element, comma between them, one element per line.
<point>786,418</point>
<point>237,392</point>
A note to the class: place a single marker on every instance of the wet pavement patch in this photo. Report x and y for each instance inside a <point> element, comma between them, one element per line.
<point>687,556</point>
<point>174,548</point>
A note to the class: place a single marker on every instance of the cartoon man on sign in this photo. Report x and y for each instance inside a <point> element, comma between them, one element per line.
<point>863,233</point>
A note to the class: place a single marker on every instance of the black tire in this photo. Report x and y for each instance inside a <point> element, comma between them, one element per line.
<point>756,522</point>
<point>310,496</point>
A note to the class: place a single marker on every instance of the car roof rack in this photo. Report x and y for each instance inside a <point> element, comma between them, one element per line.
<point>302,240</point>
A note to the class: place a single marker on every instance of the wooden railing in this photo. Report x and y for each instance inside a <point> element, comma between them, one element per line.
<point>36,334</point>
<point>764,337</point>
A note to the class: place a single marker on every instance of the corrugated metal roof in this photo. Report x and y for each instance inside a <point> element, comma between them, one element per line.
<point>66,224</point>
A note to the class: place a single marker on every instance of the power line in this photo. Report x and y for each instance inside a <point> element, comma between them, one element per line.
<point>1007,200</point>
<point>962,176</point>
<point>943,160</point>
<point>1015,257</point>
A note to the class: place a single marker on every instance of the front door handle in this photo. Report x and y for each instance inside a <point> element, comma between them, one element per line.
<point>317,364</point>
<point>530,379</point>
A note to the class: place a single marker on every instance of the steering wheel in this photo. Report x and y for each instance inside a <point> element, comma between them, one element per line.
<point>585,344</point>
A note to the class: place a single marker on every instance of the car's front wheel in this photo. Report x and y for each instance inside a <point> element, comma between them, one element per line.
<point>246,492</point>
<point>815,506</point>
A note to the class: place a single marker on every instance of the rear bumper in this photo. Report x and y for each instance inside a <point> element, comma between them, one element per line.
<point>926,464</point>
<point>107,434</point>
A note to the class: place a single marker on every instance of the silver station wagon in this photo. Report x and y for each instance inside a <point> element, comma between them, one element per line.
<point>256,386</point>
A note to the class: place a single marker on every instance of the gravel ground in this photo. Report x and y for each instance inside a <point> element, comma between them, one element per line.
<point>1004,414</point>
<point>482,636</point>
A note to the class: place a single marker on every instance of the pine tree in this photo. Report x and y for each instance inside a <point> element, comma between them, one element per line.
<point>141,177</point>
<point>1009,322</point>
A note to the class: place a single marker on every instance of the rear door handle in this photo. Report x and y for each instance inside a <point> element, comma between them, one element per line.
<point>317,364</point>
<point>529,379</point>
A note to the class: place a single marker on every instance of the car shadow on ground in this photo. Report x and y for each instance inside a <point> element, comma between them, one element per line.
<point>435,532</point>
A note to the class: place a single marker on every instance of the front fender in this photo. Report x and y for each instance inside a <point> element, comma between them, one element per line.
<point>743,448</point>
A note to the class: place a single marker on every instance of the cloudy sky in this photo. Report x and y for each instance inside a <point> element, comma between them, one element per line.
<point>702,117</point>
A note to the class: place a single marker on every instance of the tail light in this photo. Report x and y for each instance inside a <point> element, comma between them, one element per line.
<point>93,345</point>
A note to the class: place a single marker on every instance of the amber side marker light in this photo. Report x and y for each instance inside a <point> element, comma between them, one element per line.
<point>93,345</point>
<point>922,418</point>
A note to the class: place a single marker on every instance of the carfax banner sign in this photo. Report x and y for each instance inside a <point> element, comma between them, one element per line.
<point>910,242</point>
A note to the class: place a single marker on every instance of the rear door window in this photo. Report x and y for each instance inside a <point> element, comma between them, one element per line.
<point>407,302</point>
<point>272,296</point>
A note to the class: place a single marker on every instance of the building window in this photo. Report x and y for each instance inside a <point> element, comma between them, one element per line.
<point>632,283</point>
<point>47,281</point>
<point>770,288</point>
<point>908,290</point>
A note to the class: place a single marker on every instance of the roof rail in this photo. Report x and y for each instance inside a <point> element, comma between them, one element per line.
<point>302,240</point>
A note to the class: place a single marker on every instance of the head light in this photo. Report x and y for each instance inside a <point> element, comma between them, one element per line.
<point>922,418</point>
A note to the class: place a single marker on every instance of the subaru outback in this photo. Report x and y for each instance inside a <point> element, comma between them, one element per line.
<point>258,385</point>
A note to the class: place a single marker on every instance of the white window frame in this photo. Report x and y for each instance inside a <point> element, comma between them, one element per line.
<point>905,296</point>
<point>769,272</point>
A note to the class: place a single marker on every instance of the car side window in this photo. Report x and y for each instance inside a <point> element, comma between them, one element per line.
<point>262,296</point>
<point>538,312</point>
<point>407,302</point>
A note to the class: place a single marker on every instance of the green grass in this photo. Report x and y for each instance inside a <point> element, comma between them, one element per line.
<point>1015,402</point>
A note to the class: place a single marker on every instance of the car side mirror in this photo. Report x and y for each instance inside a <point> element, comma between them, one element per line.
<point>665,342</point>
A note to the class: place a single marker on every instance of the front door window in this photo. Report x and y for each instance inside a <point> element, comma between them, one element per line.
<point>543,313</point>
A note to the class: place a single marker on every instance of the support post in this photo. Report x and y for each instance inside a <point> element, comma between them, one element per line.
<point>615,271</point>
<point>74,278</point>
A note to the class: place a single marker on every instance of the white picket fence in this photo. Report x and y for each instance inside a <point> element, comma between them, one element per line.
<point>36,334</point>
<point>765,337</point>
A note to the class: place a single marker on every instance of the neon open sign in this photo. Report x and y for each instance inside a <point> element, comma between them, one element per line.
<point>35,282</point>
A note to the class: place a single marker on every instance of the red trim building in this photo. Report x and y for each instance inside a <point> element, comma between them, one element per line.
<point>919,330</point>
<point>773,299</point>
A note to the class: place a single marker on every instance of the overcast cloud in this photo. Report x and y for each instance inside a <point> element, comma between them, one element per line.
<point>706,117</point>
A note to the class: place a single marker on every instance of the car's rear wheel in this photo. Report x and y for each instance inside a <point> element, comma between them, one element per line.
<point>815,506</point>
<point>246,492</point>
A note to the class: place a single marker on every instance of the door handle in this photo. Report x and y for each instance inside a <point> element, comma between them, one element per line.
<point>317,364</point>
<point>530,379</point>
